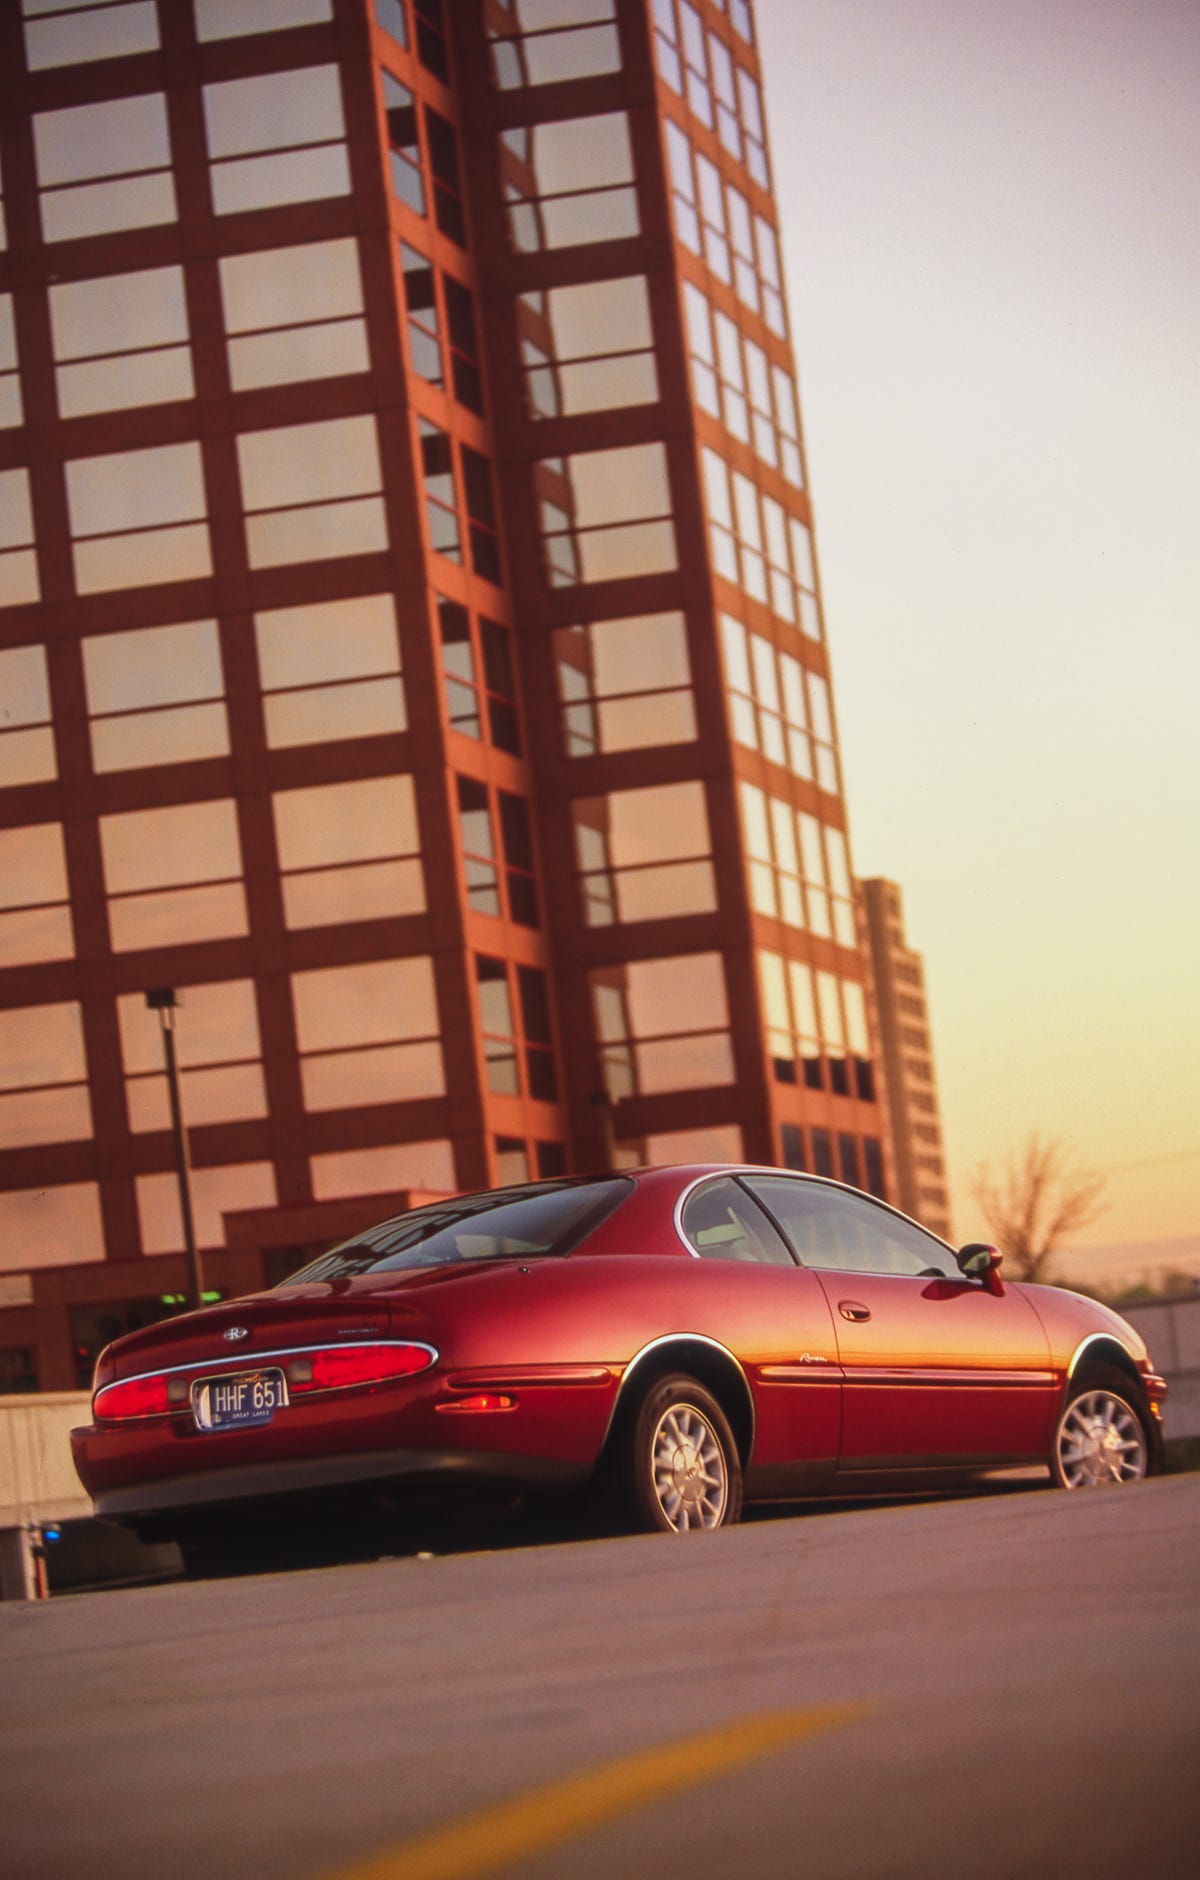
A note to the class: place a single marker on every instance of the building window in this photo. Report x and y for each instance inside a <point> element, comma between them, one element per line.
<point>426,1167</point>
<point>482,526</point>
<point>53,1226</point>
<point>173,876</point>
<point>518,1058</point>
<point>391,16</point>
<point>121,341</point>
<point>587,348</point>
<point>734,382</point>
<point>815,1017</point>
<point>368,1034</point>
<point>138,517</point>
<point>218,1050</point>
<point>777,705</point>
<point>480,687</point>
<point>625,684</point>
<point>663,1025</point>
<point>43,1076</point>
<point>758,546</point>
<point>12,411</point>
<point>448,211</point>
<point>216,1192</point>
<point>349,851</point>
<point>294,314</point>
<point>276,139</point>
<point>311,491</point>
<point>798,868</point>
<point>35,918</point>
<point>441,498</point>
<point>490,860</point>
<point>644,854</point>
<point>104,167</point>
<point>605,514</point>
<point>558,46</point>
<point>18,558</point>
<point>400,114</point>
<point>83,33</point>
<point>569,183</point>
<point>431,38</point>
<point>234,19</point>
<point>330,670</point>
<point>26,737</point>
<point>155,696</point>
<point>714,220</point>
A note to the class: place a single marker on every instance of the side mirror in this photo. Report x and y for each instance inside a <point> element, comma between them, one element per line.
<point>978,1260</point>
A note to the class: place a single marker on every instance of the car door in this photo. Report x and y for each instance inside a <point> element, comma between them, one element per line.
<point>773,1315</point>
<point>936,1368</point>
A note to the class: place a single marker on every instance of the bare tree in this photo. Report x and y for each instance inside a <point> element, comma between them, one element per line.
<point>1039,1198</point>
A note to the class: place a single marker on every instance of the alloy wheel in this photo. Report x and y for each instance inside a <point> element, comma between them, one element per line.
<point>691,1479</point>
<point>1100,1442</point>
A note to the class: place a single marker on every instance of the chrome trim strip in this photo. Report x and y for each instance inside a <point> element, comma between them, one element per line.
<point>1110,1338</point>
<point>253,1361</point>
<point>695,1338</point>
<point>958,1377</point>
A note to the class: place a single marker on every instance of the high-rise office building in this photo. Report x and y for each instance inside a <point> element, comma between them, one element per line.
<point>411,653</point>
<point>901,1014</point>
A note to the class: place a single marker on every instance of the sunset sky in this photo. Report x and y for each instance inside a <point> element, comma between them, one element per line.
<point>990,218</point>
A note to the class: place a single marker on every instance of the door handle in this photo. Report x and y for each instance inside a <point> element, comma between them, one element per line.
<point>850,1309</point>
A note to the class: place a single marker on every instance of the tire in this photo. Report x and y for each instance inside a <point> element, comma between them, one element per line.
<point>683,1469</point>
<point>1102,1439</point>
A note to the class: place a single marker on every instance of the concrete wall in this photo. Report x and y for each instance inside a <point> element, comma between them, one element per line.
<point>1171,1329</point>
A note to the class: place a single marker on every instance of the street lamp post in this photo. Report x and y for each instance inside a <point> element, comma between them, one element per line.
<point>163,1001</point>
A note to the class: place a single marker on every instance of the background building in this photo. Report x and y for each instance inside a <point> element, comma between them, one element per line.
<point>906,1050</point>
<point>410,639</point>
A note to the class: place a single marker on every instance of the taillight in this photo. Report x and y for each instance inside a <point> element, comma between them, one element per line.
<point>135,1397</point>
<point>342,1366</point>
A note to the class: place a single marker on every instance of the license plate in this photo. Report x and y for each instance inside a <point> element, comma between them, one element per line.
<point>240,1402</point>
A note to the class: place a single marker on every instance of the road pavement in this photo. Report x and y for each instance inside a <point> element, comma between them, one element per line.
<point>1003,1686</point>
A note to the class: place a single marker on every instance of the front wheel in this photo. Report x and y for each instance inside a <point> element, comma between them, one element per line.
<point>1101,1437</point>
<point>686,1473</point>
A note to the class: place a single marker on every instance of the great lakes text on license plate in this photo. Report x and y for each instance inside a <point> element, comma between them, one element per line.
<point>238,1403</point>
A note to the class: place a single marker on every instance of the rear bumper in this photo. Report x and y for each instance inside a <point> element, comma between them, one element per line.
<point>298,1477</point>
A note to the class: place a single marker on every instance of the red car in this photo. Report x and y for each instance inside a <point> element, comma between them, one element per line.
<point>694,1338</point>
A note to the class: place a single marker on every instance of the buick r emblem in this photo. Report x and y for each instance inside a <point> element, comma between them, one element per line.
<point>234,1333</point>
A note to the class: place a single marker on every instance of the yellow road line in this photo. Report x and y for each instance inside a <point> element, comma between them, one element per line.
<point>558,1811</point>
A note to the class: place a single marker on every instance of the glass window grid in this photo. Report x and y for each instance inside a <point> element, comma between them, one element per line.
<point>77,199</point>
<point>514,1027</point>
<point>92,377</point>
<point>27,750</point>
<point>217,1084</point>
<point>552,378</point>
<point>200,900</point>
<point>665,715</point>
<point>815,1026</point>
<point>432,50</point>
<point>604,208</point>
<point>35,913</point>
<point>718,89</point>
<point>478,679</point>
<point>91,33</point>
<point>584,44</point>
<point>614,893</point>
<point>329,342</point>
<point>653,1058</point>
<point>352,874</point>
<point>329,522</point>
<point>158,497</point>
<point>175,719</point>
<point>797,866</point>
<point>714,220</point>
<point>735,382</point>
<point>759,547</point>
<point>441,324</point>
<point>251,166</point>
<point>639,541</point>
<point>43,1076</point>
<point>497,853</point>
<point>778,706</point>
<point>12,411</point>
<point>19,581</point>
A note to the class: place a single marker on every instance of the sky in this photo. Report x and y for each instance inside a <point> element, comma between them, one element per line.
<point>991,228</point>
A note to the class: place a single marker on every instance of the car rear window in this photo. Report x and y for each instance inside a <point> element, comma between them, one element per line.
<point>530,1222</point>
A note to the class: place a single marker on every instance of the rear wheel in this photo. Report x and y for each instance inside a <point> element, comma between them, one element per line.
<point>685,1473</point>
<point>1101,1439</point>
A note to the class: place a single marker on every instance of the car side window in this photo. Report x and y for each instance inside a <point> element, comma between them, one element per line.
<point>846,1233</point>
<point>721,1221</point>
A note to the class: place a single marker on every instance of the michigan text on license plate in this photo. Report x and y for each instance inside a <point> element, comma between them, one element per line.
<point>238,1403</point>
